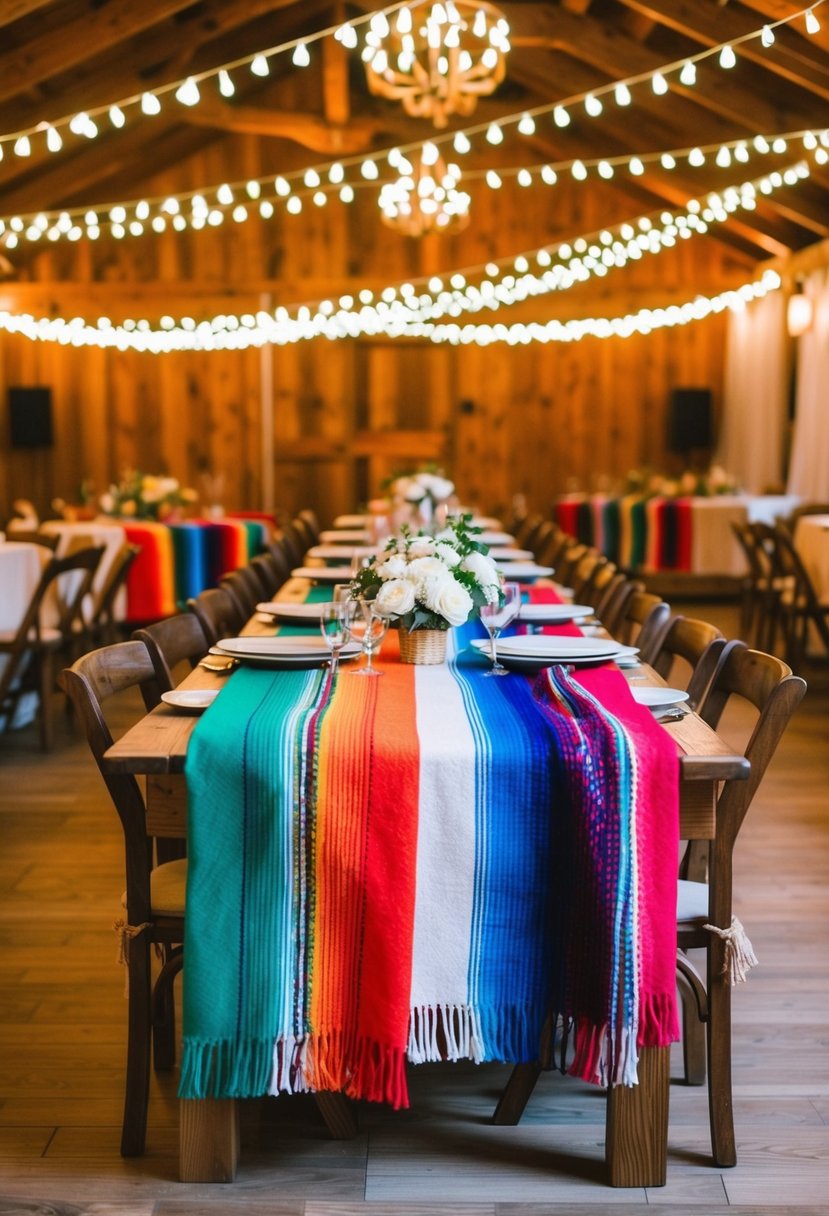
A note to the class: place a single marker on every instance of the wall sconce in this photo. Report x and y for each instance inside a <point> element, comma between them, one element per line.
<point>799,314</point>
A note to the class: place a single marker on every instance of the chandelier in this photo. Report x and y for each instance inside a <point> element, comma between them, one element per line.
<point>437,58</point>
<point>425,198</point>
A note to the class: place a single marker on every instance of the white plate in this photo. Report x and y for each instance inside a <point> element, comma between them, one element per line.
<point>352,521</point>
<point>511,555</point>
<point>480,521</point>
<point>283,652</point>
<point>495,538</point>
<point>546,646</point>
<point>342,552</point>
<point>291,612</point>
<point>523,571</point>
<point>192,699</point>
<point>345,537</point>
<point>324,574</point>
<point>546,657</point>
<point>553,614</point>
<point>658,698</point>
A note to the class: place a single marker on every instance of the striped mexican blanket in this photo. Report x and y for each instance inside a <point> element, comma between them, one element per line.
<point>425,866</point>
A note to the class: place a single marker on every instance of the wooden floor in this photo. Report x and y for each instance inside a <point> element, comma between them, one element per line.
<point>62,1022</point>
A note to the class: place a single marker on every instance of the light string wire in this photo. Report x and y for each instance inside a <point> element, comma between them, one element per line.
<point>688,62</point>
<point>127,217</point>
<point>400,305</point>
<point>644,321</point>
<point>135,99</point>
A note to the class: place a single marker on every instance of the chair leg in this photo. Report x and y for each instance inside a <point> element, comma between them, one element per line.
<point>45,688</point>
<point>137,1088</point>
<point>720,1107</point>
<point>164,1012</point>
<point>516,1094</point>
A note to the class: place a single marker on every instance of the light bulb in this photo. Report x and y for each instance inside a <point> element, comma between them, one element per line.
<point>150,104</point>
<point>623,97</point>
<point>23,146</point>
<point>301,57</point>
<point>460,143</point>
<point>494,133</point>
<point>560,117</point>
<point>226,86</point>
<point>812,23</point>
<point>259,66</point>
<point>117,116</point>
<point>727,57</point>
<point>188,93</point>
<point>767,36</point>
<point>592,105</point>
<point>659,84</point>
<point>53,140</point>
<point>527,125</point>
<point>688,75</point>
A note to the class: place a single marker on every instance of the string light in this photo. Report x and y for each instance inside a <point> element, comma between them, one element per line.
<point>262,328</point>
<point>192,207</point>
<point>347,34</point>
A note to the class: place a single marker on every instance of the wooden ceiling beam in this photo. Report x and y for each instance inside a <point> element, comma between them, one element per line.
<point>308,130</point>
<point>608,48</point>
<point>14,10</point>
<point>710,27</point>
<point>95,30</point>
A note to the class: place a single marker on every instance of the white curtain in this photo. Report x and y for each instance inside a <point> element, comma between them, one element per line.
<point>753,425</point>
<point>809,466</point>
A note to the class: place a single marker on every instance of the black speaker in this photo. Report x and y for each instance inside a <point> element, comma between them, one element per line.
<point>30,417</point>
<point>689,419</point>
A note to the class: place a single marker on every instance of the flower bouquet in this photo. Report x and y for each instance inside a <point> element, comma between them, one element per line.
<point>145,496</point>
<point>421,493</point>
<point>428,584</point>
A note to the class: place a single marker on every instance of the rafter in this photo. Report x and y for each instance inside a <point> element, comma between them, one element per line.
<point>710,28</point>
<point>14,10</point>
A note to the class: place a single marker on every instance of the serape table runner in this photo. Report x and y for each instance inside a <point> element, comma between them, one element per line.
<point>425,866</point>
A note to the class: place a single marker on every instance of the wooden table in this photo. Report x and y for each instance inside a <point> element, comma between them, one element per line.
<point>637,1117</point>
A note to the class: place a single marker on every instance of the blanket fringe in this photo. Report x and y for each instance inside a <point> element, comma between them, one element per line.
<point>739,952</point>
<point>229,1068</point>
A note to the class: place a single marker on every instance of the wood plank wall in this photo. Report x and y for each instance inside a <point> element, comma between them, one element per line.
<point>502,419</point>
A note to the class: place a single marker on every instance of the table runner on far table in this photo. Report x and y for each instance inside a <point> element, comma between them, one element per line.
<point>424,866</point>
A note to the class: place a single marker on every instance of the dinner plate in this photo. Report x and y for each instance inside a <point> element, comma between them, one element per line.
<point>324,574</point>
<point>523,571</point>
<point>658,698</point>
<point>557,648</point>
<point>553,614</point>
<point>339,552</point>
<point>348,536</point>
<point>296,613</point>
<point>194,700</point>
<point>495,538</point>
<point>284,651</point>
<point>511,555</point>
<point>352,521</point>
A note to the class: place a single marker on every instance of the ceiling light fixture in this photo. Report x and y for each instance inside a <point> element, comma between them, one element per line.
<point>437,59</point>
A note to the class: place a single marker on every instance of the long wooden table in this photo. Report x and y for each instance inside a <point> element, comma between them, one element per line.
<point>637,1117</point>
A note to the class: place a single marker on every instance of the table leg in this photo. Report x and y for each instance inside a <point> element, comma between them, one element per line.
<point>208,1139</point>
<point>636,1138</point>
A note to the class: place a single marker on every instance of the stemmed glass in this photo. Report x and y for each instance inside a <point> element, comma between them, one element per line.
<point>495,618</point>
<point>334,624</point>
<point>368,628</point>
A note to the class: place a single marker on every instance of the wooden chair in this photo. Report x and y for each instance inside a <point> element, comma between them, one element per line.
<point>294,543</point>
<point>800,610</point>
<point>30,649</point>
<point>271,576</point>
<point>526,534</point>
<point>698,645</point>
<point>759,600</point>
<point>175,640</point>
<point>218,614</point>
<point>766,683</point>
<point>243,584</point>
<point>103,627</point>
<point>311,522</point>
<point>612,605</point>
<point>154,898</point>
<point>645,620</point>
<point>590,568</point>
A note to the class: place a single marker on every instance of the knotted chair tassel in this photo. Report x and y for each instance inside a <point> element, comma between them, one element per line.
<point>125,935</point>
<point>739,952</point>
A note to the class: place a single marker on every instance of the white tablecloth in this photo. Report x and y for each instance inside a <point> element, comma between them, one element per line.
<point>75,535</point>
<point>811,538</point>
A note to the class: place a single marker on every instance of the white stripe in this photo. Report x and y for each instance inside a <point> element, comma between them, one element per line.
<point>445,846</point>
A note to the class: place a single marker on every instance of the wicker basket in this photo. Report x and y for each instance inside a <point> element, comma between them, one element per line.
<point>423,646</point>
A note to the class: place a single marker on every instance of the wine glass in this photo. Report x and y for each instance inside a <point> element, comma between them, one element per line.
<point>334,624</point>
<point>495,618</point>
<point>368,628</point>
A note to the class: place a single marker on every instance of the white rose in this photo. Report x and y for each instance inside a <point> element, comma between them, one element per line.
<point>445,596</point>
<point>392,567</point>
<point>107,503</point>
<point>438,487</point>
<point>395,598</point>
<point>447,554</point>
<point>422,546</point>
<point>426,567</point>
<point>482,568</point>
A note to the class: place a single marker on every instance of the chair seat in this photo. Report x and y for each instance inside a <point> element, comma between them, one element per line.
<point>167,886</point>
<point>691,902</point>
